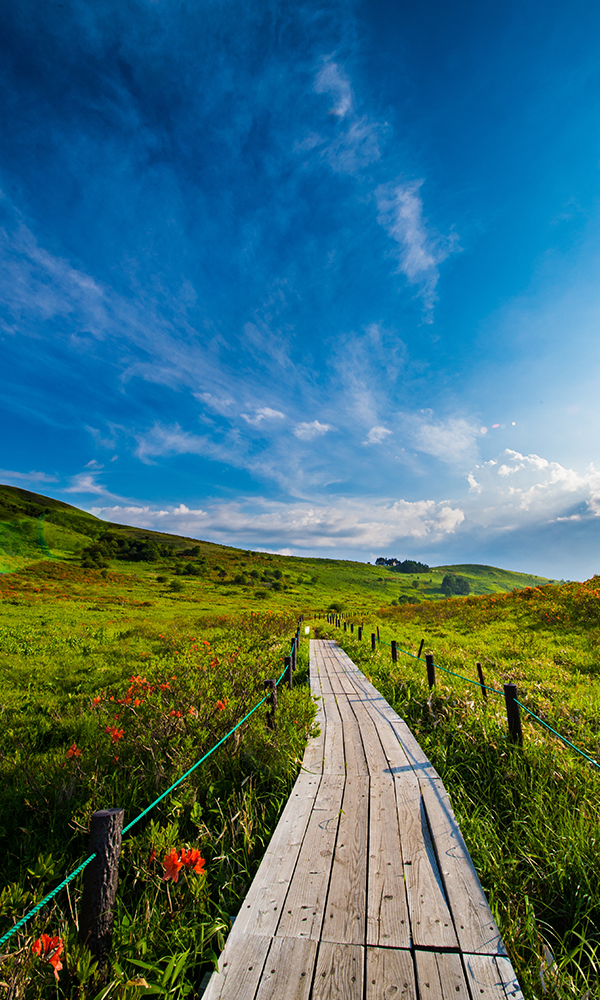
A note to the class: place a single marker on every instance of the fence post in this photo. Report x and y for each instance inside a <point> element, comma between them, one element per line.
<point>288,671</point>
<point>271,685</point>
<point>394,645</point>
<point>293,652</point>
<point>430,669</point>
<point>481,681</point>
<point>352,626</point>
<point>420,649</point>
<point>512,713</point>
<point>360,632</point>
<point>378,639</point>
<point>100,882</point>
<point>345,626</point>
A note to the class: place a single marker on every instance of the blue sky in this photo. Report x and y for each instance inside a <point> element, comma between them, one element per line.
<point>319,278</point>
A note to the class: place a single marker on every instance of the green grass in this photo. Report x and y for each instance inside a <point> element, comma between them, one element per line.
<point>530,817</point>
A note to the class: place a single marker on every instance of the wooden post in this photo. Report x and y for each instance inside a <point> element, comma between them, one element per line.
<point>394,651</point>
<point>513,714</point>
<point>373,641</point>
<point>420,649</point>
<point>352,626</point>
<point>345,626</point>
<point>378,639</point>
<point>100,882</point>
<point>360,632</point>
<point>271,685</point>
<point>481,681</point>
<point>293,651</point>
<point>288,671</point>
<point>430,669</point>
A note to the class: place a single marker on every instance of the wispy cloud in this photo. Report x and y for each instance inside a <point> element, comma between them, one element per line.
<point>356,141</point>
<point>376,435</point>
<point>87,482</point>
<point>420,251</point>
<point>261,414</point>
<point>453,441</point>
<point>26,477</point>
<point>306,431</point>
<point>331,79</point>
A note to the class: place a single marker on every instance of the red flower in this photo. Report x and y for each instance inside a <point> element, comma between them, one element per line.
<point>115,734</point>
<point>50,950</point>
<point>97,700</point>
<point>222,705</point>
<point>152,856</point>
<point>172,865</point>
<point>74,751</point>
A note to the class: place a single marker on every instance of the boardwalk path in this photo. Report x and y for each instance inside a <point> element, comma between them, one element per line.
<point>366,890</point>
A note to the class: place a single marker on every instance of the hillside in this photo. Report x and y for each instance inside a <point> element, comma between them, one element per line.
<point>107,562</point>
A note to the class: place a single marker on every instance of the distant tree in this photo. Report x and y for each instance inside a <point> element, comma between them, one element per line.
<point>453,584</point>
<point>405,566</point>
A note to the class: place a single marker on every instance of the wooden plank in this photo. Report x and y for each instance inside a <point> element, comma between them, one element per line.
<point>440,976</point>
<point>390,974</point>
<point>304,907</point>
<point>475,926</point>
<point>354,754</point>
<point>509,979</point>
<point>346,900</point>
<point>430,920</point>
<point>484,977</point>
<point>288,971</point>
<point>388,921</point>
<point>240,968</point>
<point>262,906</point>
<point>339,972</point>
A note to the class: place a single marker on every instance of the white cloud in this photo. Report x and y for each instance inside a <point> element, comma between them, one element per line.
<point>308,431</point>
<point>220,405</point>
<point>376,435</point>
<point>332,80</point>
<point>263,413</point>
<point>343,523</point>
<point>27,477</point>
<point>452,440</point>
<point>419,251</point>
<point>87,483</point>
<point>93,464</point>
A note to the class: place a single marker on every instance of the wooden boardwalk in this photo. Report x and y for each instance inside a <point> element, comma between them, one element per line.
<point>366,891</point>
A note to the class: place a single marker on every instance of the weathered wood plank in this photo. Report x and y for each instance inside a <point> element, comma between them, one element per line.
<point>430,920</point>
<point>509,979</point>
<point>390,974</point>
<point>240,968</point>
<point>288,971</point>
<point>261,909</point>
<point>485,978</point>
<point>475,926</point>
<point>388,921</point>
<point>304,907</point>
<point>339,972</point>
<point>440,976</point>
<point>346,900</point>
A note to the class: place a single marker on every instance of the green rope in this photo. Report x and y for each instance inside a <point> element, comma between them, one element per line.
<point>563,738</point>
<point>46,899</point>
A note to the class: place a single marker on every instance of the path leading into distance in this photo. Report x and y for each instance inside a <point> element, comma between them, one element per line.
<point>367,890</point>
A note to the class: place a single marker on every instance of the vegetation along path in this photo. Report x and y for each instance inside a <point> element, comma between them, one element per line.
<point>367,890</point>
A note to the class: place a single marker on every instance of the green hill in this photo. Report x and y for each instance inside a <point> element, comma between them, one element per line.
<point>37,531</point>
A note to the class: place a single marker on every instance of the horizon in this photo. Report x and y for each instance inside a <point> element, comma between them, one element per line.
<point>312,280</point>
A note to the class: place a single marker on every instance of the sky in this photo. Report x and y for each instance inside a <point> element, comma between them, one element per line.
<point>319,278</point>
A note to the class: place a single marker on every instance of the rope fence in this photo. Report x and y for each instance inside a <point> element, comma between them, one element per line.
<point>290,663</point>
<point>510,692</point>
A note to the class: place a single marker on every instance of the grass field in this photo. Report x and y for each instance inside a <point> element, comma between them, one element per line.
<point>123,661</point>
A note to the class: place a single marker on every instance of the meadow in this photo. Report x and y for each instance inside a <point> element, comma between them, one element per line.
<point>529,815</point>
<point>125,655</point>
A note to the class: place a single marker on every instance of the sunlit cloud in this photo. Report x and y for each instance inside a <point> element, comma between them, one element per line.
<point>306,431</point>
<point>376,435</point>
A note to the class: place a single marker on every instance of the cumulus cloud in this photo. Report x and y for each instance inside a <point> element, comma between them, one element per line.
<point>342,523</point>
<point>308,431</point>
<point>376,435</point>
<point>419,251</point>
<point>521,489</point>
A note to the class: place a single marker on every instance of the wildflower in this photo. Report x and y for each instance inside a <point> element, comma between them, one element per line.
<point>152,856</point>
<point>206,643</point>
<point>49,949</point>
<point>137,701</point>
<point>172,865</point>
<point>221,704</point>
<point>114,733</point>
<point>74,751</point>
<point>96,700</point>
<point>191,859</point>
<point>175,714</point>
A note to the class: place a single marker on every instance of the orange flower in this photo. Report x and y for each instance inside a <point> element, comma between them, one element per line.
<point>49,949</point>
<point>115,734</point>
<point>74,751</point>
<point>192,859</point>
<point>97,700</point>
<point>172,865</point>
<point>222,704</point>
<point>152,856</point>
